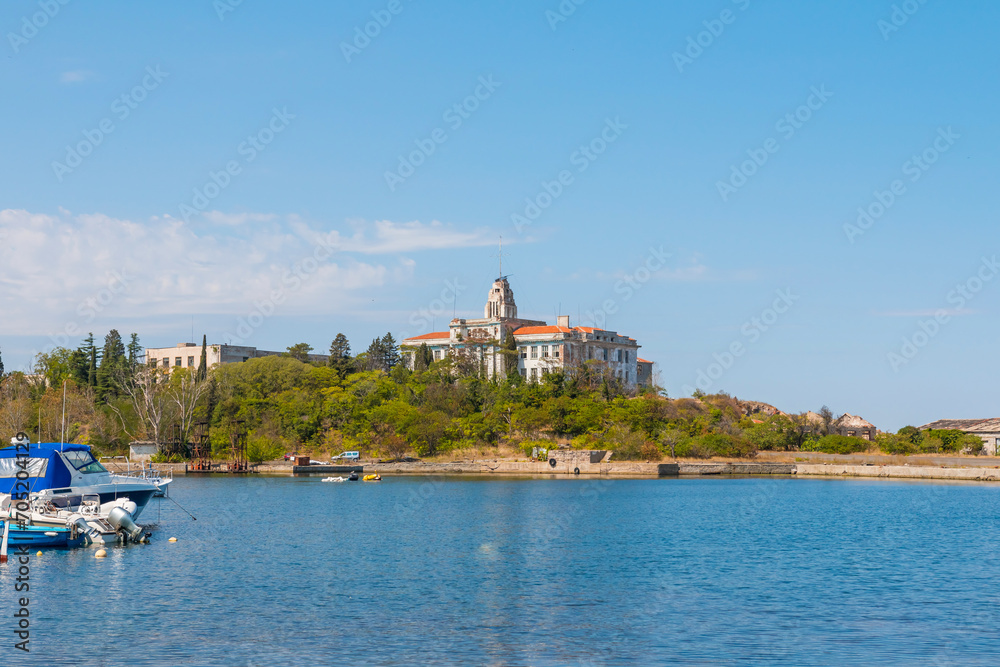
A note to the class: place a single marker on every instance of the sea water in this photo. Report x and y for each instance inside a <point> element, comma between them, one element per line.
<point>511,571</point>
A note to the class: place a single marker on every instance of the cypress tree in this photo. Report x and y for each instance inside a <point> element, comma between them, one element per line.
<point>203,363</point>
<point>1,366</point>
<point>91,352</point>
<point>134,352</point>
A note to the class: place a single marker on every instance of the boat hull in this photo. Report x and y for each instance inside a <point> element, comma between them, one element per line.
<point>42,536</point>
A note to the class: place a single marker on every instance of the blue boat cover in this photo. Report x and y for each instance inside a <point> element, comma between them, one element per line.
<point>46,469</point>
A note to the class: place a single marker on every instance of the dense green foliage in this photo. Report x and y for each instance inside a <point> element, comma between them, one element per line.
<point>376,404</point>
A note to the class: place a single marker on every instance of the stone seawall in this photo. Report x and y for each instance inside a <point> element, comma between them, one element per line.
<point>899,472</point>
<point>634,469</point>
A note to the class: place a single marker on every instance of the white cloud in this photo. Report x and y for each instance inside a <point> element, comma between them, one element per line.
<point>59,273</point>
<point>235,219</point>
<point>386,237</point>
<point>76,76</point>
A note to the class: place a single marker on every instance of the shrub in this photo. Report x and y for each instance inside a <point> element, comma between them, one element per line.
<point>840,444</point>
<point>890,443</point>
<point>692,448</point>
<point>260,449</point>
<point>629,445</point>
<point>528,445</point>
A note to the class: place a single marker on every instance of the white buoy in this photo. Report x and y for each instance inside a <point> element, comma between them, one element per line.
<point>101,553</point>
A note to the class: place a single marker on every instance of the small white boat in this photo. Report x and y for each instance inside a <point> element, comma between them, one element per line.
<point>335,479</point>
<point>84,517</point>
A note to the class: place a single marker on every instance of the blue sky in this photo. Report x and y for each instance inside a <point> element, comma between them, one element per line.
<point>108,243</point>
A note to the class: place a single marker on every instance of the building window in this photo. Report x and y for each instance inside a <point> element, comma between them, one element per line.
<point>524,372</point>
<point>524,353</point>
<point>190,362</point>
<point>605,354</point>
<point>177,362</point>
<point>166,362</point>
<point>437,355</point>
<point>534,352</point>
<point>626,356</point>
<point>545,351</point>
<point>556,353</point>
<point>534,373</point>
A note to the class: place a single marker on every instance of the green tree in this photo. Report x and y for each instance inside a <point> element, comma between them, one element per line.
<point>340,355</point>
<point>300,351</point>
<point>203,362</point>
<point>113,363</point>
<point>509,352</point>
<point>423,358</point>
<point>56,366</point>
<point>1,367</point>
<point>93,357</point>
<point>135,351</point>
<point>390,351</point>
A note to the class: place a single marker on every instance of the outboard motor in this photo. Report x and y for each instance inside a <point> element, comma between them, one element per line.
<point>122,521</point>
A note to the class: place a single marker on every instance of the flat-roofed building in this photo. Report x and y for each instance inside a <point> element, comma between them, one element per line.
<point>188,355</point>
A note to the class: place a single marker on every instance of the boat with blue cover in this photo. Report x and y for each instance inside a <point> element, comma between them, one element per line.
<point>66,473</point>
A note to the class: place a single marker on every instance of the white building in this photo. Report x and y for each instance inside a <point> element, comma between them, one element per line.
<point>188,355</point>
<point>540,346</point>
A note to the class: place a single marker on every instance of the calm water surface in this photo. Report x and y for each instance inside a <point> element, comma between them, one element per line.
<point>415,570</point>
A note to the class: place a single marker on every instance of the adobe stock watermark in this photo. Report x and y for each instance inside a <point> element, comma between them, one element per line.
<point>562,13</point>
<point>116,283</point>
<point>454,116</point>
<point>581,158</point>
<point>628,286</point>
<point>751,332</point>
<point>31,25</point>
<point>788,125</point>
<point>292,280</point>
<point>363,35</point>
<point>423,318</point>
<point>121,108</point>
<point>914,168</point>
<point>249,149</point>
<point>714,28</point>
<point>899,17</point>
<point>223,7</point>
<point>928,329</point>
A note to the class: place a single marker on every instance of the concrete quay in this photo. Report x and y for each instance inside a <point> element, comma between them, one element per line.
<point>898,472</point>
<point>628,469</point>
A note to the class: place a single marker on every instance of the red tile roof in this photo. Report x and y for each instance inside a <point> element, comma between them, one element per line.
<point>431,336</point>
<point>643,361</point>
<point>524,331</point>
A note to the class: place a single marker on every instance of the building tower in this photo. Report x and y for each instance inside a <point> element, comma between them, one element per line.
<point>500,304</point>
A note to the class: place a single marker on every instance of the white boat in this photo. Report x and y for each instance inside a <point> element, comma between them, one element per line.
<point>69,472</point>
<point>89,521</point>
<point>147,472</point>
<point>335,479</point>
